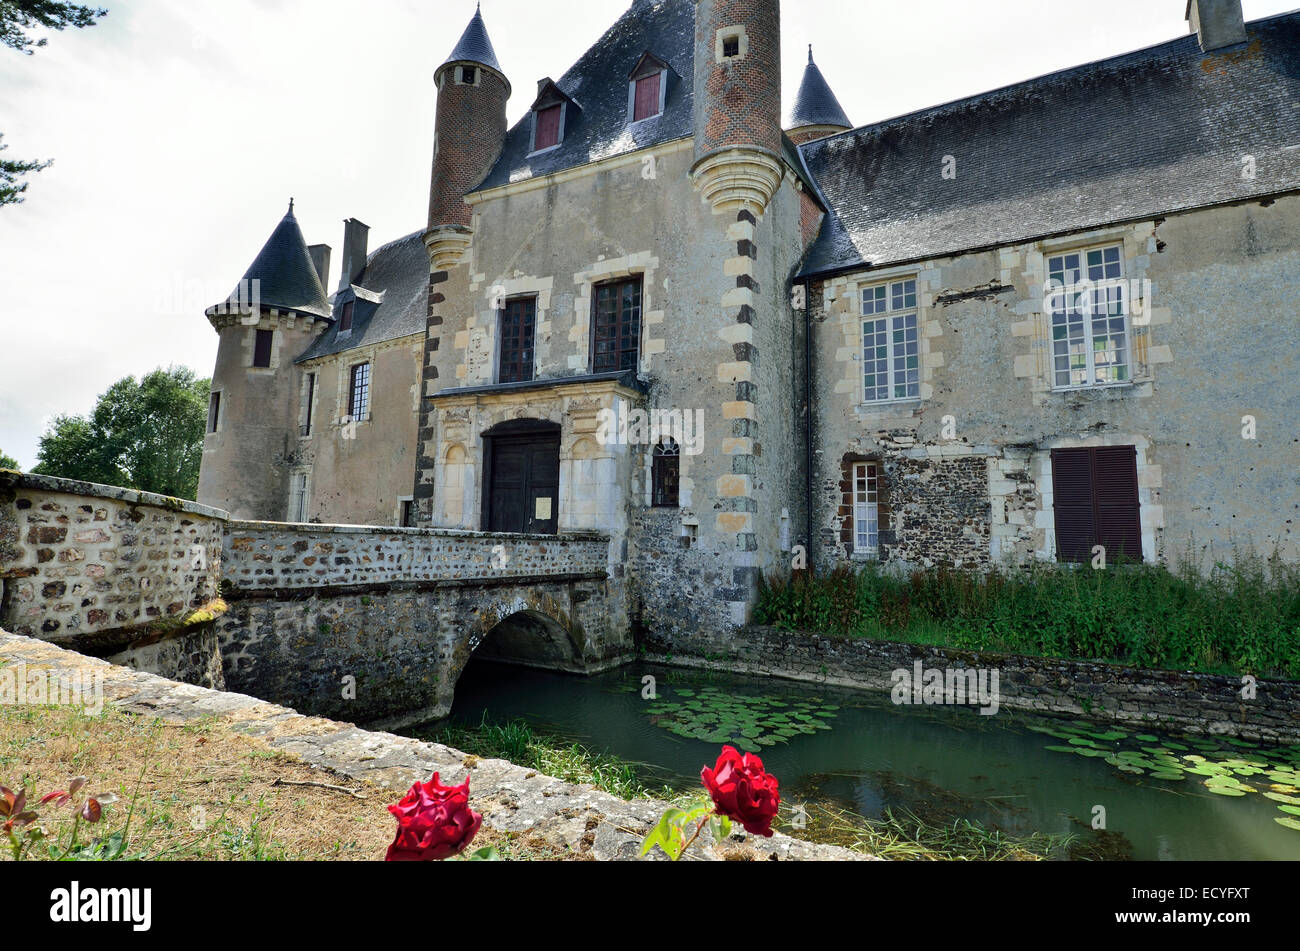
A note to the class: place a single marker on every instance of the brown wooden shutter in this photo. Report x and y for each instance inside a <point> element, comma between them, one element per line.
<point>1095,497</point>
<point>1072,499</point>
<point>1115,491</point>
<point>647,98</point>
<point>345,320</point>
<point>548,128</point>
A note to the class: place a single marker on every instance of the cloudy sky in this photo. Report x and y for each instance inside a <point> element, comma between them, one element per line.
<point>180,129</point>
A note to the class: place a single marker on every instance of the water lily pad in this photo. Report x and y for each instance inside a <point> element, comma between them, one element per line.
<point>1147,738</point>
<point>1167,774</point>
<point>1289,823</point>
<point>1225,790</point>
<point>1132,769</point>
<point>1290,810</point>
<point>1283,797</point>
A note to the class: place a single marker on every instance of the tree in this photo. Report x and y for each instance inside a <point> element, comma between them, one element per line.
<point>7,462</point>
<point>146,435</point>
<point>19,16</point>
<point>16,18</point>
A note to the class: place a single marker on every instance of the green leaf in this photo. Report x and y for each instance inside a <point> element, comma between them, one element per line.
<point>667,834</point>
<point>486,854</point>
<point>719,828</point>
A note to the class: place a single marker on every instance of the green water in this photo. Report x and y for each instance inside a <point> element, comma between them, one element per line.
<point>938,762</point>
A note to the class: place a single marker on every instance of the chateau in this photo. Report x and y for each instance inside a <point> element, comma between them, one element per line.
<point>1023,325</point>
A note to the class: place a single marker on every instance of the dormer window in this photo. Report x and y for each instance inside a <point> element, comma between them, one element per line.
<point>546,134</point>
<point>554,111</point>
<point>647,86</point>
<point>467,75</point>
<point>345,320</point>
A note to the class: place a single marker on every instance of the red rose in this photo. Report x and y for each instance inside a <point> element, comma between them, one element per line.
<point>434,822</point>
<point>743,791</point>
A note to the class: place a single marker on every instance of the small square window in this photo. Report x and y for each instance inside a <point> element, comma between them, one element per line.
<point>730,47</point>
<point>467,75</point>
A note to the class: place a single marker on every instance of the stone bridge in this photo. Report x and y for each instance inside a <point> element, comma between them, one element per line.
<point>371,625</point>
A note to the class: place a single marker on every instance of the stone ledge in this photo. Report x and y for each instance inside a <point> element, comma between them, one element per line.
<point>12,480</point>
<point>511,798</point>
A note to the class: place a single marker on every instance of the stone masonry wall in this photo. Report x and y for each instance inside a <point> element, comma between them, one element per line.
<point>270,555</point>
<point>91,567</point>
<point>1190,702</point>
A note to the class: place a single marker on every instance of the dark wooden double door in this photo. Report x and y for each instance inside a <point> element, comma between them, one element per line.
<point>523,478</point>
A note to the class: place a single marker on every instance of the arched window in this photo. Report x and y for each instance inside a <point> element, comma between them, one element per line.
<point>665,473</point>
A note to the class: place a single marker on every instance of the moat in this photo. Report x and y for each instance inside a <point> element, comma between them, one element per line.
<point>1165,796</point>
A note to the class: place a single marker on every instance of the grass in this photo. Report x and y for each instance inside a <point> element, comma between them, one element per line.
<point>201,792</point>
<point>903,836</point>
<point>1241,619</point>
<point>571,762</point>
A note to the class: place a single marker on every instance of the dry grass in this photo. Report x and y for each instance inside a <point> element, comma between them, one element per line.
<point>203,792</point>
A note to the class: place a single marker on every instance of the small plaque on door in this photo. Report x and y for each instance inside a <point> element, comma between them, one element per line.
<point>543,510</point>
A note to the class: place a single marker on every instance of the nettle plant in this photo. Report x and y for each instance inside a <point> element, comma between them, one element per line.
<point>740,790</point>
<point>22,829</point>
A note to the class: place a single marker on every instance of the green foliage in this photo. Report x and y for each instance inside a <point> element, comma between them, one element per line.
<point>16,18</point>
<point>515,741</point>
<point>7,461</point>
<point>146,435</point>
<point>11,189</point>
<point>750,723</point>
<point>1243,618</point>
<point>19,16</point>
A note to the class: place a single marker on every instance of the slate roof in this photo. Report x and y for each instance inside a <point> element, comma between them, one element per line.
<point>1137,136</point>
<point>598,81</point>
<point>474,46</point>
<point>288,278</point>
<point>815,104</point>
<point>392,301</point>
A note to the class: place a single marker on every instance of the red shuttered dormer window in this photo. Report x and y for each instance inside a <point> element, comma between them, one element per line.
<point>646,104</point>
<point>547,134</point>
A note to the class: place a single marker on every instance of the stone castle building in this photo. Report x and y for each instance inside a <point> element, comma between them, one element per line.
<point>1018,326</point>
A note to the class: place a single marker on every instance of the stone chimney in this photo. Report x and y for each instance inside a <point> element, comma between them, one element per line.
<point>356,239</point>
<point>320,259</point>
<point>1216,23</point>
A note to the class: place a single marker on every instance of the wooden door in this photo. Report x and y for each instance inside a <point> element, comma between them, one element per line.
<point>524,482</point>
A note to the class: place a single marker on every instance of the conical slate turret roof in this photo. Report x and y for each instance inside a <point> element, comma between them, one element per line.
<point>816,104</point>
<point>475,47</point>
<point>285,272</point>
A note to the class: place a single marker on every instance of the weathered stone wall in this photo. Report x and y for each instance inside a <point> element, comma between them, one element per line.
<point>359,472</point>
<point>391,654</point>
<point>375,625</point>
<point>1220,286</point>
<point>1189,702</point>
<point>104,570</point>
<point>248,459</point>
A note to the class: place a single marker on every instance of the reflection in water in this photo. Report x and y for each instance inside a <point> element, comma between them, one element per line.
<point>941,764</point>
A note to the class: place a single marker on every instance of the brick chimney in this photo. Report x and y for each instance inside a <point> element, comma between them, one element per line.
<point>1216,23</point>
<point>356,239</point>
<point>320,259</point>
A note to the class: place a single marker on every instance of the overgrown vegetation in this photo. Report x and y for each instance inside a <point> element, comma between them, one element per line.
<point>1243,618</point>
<point>903,836</point>
<point>517,742</point>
